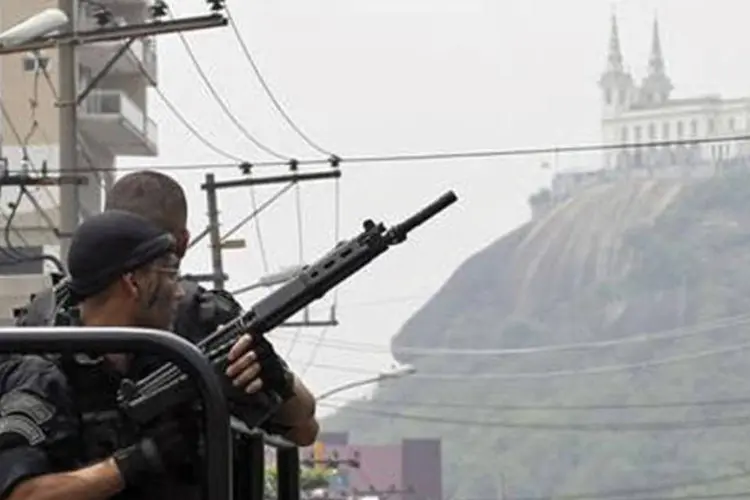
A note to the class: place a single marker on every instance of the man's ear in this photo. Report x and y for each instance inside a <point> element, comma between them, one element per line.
<point>130,285</point>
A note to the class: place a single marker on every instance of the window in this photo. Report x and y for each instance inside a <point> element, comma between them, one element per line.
<point>31,63</point>
<point>731,124</point>
<point>665,131</point>
<point>680,130</point>
<point>637,133</point>
<point>608,96</point>
<point>710,126</point>
<point>651,131</point>
<point>693,128</point>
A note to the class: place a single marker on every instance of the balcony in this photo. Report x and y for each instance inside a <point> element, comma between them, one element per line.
<point>142,54</point>
<point>140,59</point>
<point>112,119</point>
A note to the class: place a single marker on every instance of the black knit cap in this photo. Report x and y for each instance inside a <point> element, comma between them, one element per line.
<point>109,244</point>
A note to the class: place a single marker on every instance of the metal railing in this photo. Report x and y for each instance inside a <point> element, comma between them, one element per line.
<point>186,355</point>
<point>117,102</point>
<point>228,441</point>
<point>249,449</point>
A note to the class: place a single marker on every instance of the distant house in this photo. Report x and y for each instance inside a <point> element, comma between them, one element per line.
<point>410,470</point>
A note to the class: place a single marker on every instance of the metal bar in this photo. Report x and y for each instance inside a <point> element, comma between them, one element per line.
<point>268,439</point>
<point>257,465</point>
<point>69,339</point>
<point>103,72</point>
<point>70,195</point>
<point>309,176</point>
<point>257,211</point>
<point>287,465</point>
<point>297,324</point>
<point>212,205</point>
<point>111,34</point>
<point>200,236</point>
<point>201,278</point>
<point>25,180</point>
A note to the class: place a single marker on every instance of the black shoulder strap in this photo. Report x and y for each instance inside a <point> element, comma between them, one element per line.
<point>202,311</point>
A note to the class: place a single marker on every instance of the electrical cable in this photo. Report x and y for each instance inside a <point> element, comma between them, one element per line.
<point>172,108</point>
<point>300,258</point>
<point>217,97</point>
<point>449,155</point>
<point>700,328</point>
<point>625,492</point>
<point>555,408</point>
<point>267,89</point>
<point>674,425</point>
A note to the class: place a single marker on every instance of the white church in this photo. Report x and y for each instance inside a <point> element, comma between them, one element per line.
<point>642,112</point>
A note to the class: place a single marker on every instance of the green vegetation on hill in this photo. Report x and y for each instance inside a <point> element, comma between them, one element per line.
<point>615,262</point>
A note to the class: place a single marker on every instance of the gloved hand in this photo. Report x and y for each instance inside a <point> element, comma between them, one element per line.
<point>165,449</point>
<point>274,371</point>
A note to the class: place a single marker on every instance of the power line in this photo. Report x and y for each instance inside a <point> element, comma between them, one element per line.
<point>267,89</point>
<point>625,492</point>
<point>673,425</point>
<point>454,155</point>
<point>223,105</point>
<point>670,334</point>
<point>104,19</point>
<point>555,408</point>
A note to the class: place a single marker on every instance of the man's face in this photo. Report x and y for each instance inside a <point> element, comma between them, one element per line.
<point>158,294</point>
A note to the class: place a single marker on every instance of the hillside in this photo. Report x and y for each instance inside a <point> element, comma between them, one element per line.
<point>614,263</point>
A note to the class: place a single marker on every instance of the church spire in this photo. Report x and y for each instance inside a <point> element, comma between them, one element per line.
<point>656,61</point>
<point>614,58</point>
<point>656,86</point>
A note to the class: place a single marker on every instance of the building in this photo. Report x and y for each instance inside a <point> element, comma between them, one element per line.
<point>410,470</point>
<point>647,111</point>
<point>634,112</point>
<point>113,120</point>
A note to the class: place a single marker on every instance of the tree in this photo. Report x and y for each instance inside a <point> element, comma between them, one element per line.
<point>310,479</point>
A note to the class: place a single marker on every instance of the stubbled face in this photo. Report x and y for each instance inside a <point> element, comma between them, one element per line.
<point>158,293</point>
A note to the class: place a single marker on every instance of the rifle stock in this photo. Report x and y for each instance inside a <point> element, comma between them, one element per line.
<point>167,386</point>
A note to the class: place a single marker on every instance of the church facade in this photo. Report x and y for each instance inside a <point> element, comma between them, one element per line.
<point>636,113</point>
<point>644,112</point>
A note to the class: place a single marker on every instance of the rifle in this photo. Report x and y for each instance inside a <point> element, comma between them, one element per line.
<point>168,387</point>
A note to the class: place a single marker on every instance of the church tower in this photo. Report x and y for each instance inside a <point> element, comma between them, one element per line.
<point>615,83</point>
<point>656,87</point>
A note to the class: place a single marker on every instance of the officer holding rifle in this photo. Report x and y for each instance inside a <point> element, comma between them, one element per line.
<point>160,199</point>
<point>56,438</point>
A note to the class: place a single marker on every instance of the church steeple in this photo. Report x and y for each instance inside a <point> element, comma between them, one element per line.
<point>656,61</point>
<point>616,83</point>
<point>657,85</point>
<point>614,58</point>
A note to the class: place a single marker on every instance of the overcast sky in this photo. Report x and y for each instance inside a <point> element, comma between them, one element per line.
<point>410,76</point>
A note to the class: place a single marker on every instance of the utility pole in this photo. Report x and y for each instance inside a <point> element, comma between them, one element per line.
<point>218,243</point>
<point>70,200</point>
<point>71,98</point>
<point>213,232</point>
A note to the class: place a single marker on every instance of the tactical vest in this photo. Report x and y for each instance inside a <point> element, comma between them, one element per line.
<point>104,429</point>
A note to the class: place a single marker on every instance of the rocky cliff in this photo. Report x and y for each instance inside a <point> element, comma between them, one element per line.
<point>599,349</point>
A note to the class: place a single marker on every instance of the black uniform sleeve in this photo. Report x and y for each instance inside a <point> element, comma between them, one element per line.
<point>38,426</point>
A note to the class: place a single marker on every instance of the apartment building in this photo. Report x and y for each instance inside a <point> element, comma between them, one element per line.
<point>113,121</point>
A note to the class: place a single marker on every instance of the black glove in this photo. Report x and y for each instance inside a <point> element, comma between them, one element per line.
<point>274,371</point>
<point>168,448</point>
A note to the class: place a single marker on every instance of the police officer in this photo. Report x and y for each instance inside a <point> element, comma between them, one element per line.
<point>58,436</point>
<point>160,199</point>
